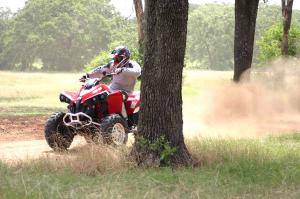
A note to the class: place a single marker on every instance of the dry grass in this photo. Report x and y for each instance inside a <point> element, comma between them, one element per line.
<point>88,160</point>
<point>265,168</point>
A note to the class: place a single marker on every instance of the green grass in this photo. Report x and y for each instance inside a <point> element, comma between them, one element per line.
<point>28,111</point>
<point>195,81</point>
<point>34,93</point>
<point>258,168</point>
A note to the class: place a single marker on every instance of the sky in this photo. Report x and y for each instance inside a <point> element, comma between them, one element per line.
<point>126,8</point>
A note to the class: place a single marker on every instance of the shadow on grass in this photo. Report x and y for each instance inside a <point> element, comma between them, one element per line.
<point>292,137</point>
<point>28,111</point>
<point>16,99</point>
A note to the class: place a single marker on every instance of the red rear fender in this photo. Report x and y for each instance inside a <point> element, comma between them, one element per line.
<point>133,102</point>
<point>115,101</point>
<point>135,95</point>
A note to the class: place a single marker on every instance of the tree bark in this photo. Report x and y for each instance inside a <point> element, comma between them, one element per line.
<point>161,85</point>
<point>140,20</point>
<point>287,8</point>
<point>245,20</point>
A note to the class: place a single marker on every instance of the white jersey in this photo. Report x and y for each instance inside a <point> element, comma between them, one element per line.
<point>123,81</point>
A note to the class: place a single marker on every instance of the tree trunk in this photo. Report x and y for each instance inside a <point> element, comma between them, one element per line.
<point>161,98</point>
<point>140,20</point>
<point>210,58</point>
<point>245,20</point>
<point>287,8</point>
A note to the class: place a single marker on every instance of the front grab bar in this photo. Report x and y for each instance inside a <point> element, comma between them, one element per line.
<point>78,120</point>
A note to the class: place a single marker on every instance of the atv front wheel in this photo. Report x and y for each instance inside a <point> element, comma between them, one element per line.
<point>93,135</point>
<point>57,134</point>
<point>114,129</point>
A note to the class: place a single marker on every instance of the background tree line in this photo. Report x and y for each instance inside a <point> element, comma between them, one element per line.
<point>61,34</point>
<point>211,36</point>
<point>66,35</point>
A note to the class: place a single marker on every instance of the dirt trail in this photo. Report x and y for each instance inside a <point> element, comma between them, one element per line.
<point>15,128</point>
<point>29,149</point>
<point>21,138</point>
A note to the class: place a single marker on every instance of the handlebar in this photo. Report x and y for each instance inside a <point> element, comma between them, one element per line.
<point>120,65</point>
<point>85,78</point>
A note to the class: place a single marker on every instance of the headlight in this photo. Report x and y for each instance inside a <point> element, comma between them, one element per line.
<point>63,98</point>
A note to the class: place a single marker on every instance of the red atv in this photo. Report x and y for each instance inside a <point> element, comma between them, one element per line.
<point>96,113</point>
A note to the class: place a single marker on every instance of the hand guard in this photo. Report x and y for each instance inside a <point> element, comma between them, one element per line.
<point>83,78</point>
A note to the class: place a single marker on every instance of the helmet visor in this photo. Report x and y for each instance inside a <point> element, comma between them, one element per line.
<point>117,58</point>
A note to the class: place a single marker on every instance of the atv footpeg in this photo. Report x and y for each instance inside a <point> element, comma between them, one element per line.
<point>77,120</point>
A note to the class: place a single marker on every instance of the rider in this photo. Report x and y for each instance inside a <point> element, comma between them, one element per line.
<point>124,71</point>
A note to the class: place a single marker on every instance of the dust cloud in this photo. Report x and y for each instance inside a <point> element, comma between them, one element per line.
<point>268,104</point>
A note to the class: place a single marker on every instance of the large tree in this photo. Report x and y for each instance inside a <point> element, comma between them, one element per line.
<point>271,40</point>
<point>287,8</point>
<point>245,20</point>
<point>139,12</point>
<point>210,36</point>
<point>63,34</point>
<point>5,15</point>
<point>161,107</point>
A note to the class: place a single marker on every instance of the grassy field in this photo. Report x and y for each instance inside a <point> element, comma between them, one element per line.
<point>34,93</point>
<point>267,167</point>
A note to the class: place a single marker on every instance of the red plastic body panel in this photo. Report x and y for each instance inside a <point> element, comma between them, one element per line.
<point>93,92</point>
<point>115,101</point>
<point>133,102</point>
<point>71,95</point>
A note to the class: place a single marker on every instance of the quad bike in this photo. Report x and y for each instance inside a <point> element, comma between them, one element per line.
<point>101,116</point>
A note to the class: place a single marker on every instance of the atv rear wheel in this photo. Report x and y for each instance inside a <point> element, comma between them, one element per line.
<point>115,130</point>
<point>57,134</point>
